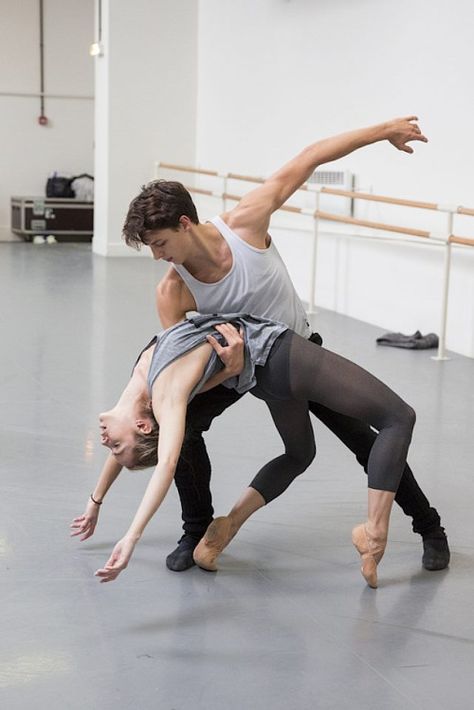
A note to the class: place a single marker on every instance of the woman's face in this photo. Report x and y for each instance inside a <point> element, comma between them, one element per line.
<point>117,431</point>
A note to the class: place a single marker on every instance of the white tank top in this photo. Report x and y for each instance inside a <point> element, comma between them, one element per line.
<point>258,283</point>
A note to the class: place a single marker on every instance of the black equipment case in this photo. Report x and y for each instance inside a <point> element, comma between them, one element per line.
<point>67,219</point>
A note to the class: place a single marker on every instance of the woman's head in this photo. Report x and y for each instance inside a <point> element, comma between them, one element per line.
<point>132,437</point>
<point>159,206</point>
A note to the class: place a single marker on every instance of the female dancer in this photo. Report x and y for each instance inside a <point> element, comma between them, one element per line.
<point>286,371</point>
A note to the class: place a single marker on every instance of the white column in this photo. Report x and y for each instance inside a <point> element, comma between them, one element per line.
<point>146,87</point>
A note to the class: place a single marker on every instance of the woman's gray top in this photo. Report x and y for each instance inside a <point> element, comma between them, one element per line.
<point>259,335</point>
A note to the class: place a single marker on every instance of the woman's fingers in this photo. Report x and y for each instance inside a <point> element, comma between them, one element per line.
<point>85,527</point>
<point>110,572</point>
<point>107,574</point>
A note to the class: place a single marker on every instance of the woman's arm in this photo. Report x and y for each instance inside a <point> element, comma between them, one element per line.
<point>170,395</point>
<point>86,523</point>
<point>232,355</point>
<point>173,417</point>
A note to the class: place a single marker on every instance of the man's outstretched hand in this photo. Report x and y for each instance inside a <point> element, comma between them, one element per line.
<point>401,131</point>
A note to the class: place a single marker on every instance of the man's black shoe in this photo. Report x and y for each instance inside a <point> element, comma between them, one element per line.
<point>435,550</point>
<point>182,557</point>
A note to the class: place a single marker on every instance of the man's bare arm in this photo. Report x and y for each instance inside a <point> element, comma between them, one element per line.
<point>173,299</point>
<point>251,216</point>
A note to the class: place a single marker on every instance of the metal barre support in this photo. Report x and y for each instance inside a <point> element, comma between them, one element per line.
<point>441,354</point>
<point>314,259</point>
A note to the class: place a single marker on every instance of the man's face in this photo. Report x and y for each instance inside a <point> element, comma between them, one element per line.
<point>168,244</point>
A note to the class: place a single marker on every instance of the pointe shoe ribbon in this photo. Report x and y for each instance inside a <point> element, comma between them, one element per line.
<point>371,551</point>
<point>217,536</point>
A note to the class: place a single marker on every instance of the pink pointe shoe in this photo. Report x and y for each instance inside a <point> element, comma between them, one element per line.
<point>371,551</point>
<point>217,536</point>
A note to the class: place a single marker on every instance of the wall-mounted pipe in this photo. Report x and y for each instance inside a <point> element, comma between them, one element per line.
<point>42,118</point>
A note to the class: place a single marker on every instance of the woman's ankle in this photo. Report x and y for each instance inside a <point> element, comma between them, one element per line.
<point>376,531</point>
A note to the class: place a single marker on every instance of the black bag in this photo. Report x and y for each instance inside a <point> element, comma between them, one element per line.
<point>58,186</point>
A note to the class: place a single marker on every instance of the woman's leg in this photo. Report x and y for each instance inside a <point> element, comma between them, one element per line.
<point>329,379</point>
<point>326,378</point>
<point>294,426</point>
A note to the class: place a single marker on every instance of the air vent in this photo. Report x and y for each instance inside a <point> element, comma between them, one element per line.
<point>340,180</point>
<point>335,178</point>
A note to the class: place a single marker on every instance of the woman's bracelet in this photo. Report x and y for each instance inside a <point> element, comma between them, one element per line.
<point>97,502</point>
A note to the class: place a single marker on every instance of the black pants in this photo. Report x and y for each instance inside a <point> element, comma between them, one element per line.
<point>296,372</point>
<point>193,473</point>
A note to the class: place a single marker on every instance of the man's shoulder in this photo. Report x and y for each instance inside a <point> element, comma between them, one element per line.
<point>173,296</point>
<point>246,226</point>
<point>171,282</point>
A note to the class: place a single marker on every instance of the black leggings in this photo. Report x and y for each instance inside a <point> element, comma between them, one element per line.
<point>298,371</point>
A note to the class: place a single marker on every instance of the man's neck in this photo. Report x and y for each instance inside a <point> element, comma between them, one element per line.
<point>209,257</point>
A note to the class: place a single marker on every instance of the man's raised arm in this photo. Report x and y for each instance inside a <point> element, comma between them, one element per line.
<point>255,209</point>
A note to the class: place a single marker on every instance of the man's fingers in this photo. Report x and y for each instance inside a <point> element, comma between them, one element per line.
<point>229,332</point>
<point>215,344</point>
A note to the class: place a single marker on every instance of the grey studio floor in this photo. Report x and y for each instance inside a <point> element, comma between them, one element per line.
<point>287,622</point>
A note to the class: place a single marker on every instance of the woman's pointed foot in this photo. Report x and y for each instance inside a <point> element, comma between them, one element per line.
<point>215,539</point>
<point>371,551</point>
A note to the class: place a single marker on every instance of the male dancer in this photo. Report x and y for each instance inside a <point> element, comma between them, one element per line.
<point>229,265</point>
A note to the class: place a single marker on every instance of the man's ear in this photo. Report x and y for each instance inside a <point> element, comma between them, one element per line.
<point>144,426</point>
<point>184,221</point>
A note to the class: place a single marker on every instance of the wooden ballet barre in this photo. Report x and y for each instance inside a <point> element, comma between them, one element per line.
<point>372,225</point>
<point>453,239</point>
<point>186,169</point>
<point>380,198</point>
<point>237,198</point>
<point>327,190</point>
<point>201,191</point>
<point>246,178</point>
<point>466,210</point>
<point>323,215</point>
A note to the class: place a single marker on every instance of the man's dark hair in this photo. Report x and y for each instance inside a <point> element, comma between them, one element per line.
<point>159,205</point>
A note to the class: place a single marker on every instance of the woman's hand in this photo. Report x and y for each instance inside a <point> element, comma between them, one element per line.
<point>232,354</point>
<point>117,561</point>
<point>85,524</point>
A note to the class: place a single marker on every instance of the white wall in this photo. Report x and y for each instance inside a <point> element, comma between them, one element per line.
<point>146,104</point>
<point>275,75</point>
<point>30,151</point>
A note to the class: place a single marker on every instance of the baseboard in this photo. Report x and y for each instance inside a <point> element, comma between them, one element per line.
<point>6,235</point>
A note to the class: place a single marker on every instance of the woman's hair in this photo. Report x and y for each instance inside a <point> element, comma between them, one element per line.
<point>159,205</point>
<point>145,451</point>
